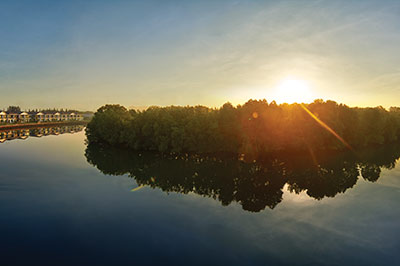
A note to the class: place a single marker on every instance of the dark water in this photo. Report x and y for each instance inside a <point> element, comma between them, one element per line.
<point>63,203</point>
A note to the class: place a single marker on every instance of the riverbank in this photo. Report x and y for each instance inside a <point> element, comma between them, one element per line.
<point>42,124</point>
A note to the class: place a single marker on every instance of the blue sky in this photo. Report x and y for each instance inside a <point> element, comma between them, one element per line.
<point>83,54</point>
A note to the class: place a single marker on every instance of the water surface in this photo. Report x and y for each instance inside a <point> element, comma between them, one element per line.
<point>64,203</point>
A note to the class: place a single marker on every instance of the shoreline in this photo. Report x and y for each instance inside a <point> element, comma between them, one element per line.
<point>45,124</point>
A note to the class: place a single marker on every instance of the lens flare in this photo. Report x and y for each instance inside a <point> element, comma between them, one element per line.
<point>329,129</point>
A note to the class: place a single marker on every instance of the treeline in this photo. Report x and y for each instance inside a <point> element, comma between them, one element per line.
<point>257,127</point>
<point>17,109</point>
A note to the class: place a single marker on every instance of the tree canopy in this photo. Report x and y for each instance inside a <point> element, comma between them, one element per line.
<point>256,127</point>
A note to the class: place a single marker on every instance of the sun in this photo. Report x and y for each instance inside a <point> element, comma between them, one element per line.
<point>293,90</point>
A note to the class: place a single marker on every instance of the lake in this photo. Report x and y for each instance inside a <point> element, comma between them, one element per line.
<point>63,202</point>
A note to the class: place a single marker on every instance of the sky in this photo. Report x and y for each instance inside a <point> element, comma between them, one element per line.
<point>84,54</point>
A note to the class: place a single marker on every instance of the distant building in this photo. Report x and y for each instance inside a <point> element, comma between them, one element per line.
<point>3,117</point>
<point>57,116</point>
<point>41,116</point>
<point>23,117</point>
<point>12,117</point>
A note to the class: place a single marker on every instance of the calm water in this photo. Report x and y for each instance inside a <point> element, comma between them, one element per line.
<point>63,203</point>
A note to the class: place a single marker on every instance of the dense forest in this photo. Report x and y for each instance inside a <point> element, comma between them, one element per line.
<point>256,127</point>
<point>254,185</point>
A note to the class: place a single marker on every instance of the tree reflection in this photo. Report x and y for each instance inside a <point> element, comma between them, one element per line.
<point>255,184</point>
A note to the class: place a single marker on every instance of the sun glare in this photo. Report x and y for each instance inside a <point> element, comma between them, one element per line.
<point>293,90</point>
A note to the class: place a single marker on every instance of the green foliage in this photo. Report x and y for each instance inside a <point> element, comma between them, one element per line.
<point>108,124</point>
<point>253,128</point>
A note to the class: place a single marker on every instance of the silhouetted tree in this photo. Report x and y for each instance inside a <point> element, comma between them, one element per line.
<point>14,109</point>
<point>254,128</point>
